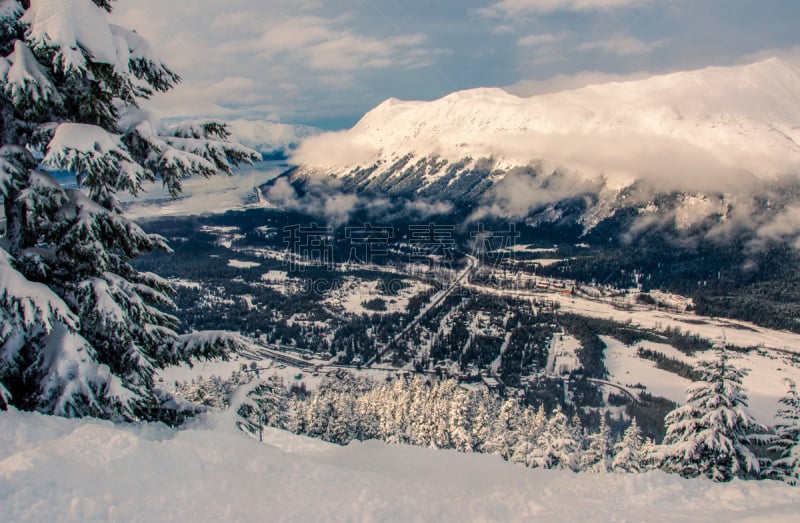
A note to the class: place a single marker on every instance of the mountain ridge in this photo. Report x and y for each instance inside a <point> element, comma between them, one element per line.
<point>719,118</point>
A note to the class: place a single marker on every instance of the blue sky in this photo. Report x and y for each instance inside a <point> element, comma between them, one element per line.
<point>326,63</point>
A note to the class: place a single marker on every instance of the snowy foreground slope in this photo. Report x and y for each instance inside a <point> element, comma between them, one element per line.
<point>54,469</point>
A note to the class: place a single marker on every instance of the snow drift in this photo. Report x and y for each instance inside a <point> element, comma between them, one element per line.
<point>54,469</point>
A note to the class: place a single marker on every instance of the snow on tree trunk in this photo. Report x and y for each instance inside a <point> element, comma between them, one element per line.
<point>83,331</point>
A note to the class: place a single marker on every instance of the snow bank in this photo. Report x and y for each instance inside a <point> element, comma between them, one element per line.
<point>53,469</point>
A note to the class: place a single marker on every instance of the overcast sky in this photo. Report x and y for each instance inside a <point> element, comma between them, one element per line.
<point>326,63</point>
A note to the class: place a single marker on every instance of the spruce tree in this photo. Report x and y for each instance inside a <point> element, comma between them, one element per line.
<point>598,454</point>
<point>629,452</point>
<point>786,444</point>
<point>482,421</point>
<point>530,426</point>
<point>505,430</point>
<point>83,331</point>
<point>460,420</point>
<point>559,444</point>
<point>711,434</point>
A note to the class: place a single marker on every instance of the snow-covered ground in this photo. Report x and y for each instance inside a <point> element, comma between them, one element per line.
<point>626,368</point>
<point>764,383</point>
<point>734,332</point>
<point>239,264</point>
<point>223,369</point>
<point>562,356</point>
<point>352,295</point>
<point>54,469</point>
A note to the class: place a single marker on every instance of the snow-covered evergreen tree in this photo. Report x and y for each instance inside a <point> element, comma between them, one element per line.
<point>272,400</point>
<point>422,426</point>
<point>559,444</point>
<point>629,452</point>
<point>482,421</point>
<point>531,425</point>
<point>83,332</point>
<point>505,430</point>
<point>460,420</point>
<point>786,444</point>
<point>598,454</point>
<point>711,434</point>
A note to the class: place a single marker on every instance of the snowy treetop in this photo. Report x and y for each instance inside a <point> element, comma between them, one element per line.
<point>72,27</point>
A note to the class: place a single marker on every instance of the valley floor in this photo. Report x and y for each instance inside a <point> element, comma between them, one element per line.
<point>53,469</point>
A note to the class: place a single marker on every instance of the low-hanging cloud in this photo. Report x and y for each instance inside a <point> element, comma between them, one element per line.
<point>323,197</point>
<point>334,207</point>
<point>333,150</point>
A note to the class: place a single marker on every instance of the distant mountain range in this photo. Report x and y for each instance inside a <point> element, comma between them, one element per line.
<point>721,143</point>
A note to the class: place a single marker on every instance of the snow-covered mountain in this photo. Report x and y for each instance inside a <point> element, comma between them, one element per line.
<point>710,134</point>
<point>269,137</point>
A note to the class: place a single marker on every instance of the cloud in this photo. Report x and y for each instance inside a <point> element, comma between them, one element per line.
<point>783,227</point>
<point>541,39</point>
<point>334,149</point>
<point>252,58</point>
<point>323,197</point>
<point>327,63</point>
<point>319,44</point>
<point>622,45</point>
<point>503,29</point>
<point>524,190</point>
<point>543,48</point>
<point>511,8</point>
<point>319,200</point>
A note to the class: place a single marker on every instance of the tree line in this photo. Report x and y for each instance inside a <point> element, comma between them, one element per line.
<point>710,436</point>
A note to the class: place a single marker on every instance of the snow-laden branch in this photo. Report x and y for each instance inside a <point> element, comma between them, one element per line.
<point>205,345</point>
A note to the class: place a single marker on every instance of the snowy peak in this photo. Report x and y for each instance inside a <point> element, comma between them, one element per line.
<point>765,89</point>
<point>685,130</point>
